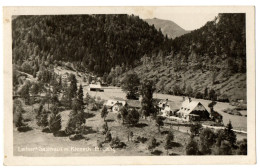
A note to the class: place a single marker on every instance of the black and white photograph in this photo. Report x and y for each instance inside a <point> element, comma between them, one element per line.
<point>134,83</point>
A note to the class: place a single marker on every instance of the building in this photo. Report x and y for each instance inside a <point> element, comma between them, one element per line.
<point>193,111</point>
<point>167,108</point>
<point>217,117</point>
<point>134,104</point>
<point>115,105</point>
<point>95,87</point>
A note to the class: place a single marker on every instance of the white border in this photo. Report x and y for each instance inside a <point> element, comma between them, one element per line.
<point>119,3</point>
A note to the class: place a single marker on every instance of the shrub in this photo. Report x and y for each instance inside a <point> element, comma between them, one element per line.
<point>116,143</point>
<point>157,152</point>
<point>152,144</point>
<point>42,120</point>
<point>195,129</point>
<point>242,147</point>
<point>159,122</point>
<point>18,119</point>
<point>225,148</point>
<point>199,95</point>
<point>141,139</point>
<point>192,147</point>
<point>132,117</point>
<point>108,136</point>
<point>104,112</point>
<point>207,139</point>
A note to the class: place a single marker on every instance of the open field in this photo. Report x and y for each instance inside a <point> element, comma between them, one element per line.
<point>45,143</point>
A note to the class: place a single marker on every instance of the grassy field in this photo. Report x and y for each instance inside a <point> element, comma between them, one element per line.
<point>45,143</point>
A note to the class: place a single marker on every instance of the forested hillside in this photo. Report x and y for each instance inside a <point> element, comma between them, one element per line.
<point>212,58</point>
<point>94,43</point>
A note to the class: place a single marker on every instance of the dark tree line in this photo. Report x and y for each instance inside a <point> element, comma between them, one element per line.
<point>96,42</point>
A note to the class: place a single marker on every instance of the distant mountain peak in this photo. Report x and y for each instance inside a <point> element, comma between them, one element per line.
<point>169,28</point>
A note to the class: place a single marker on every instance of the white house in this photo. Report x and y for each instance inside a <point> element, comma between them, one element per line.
<point>115,105</point>
<point>166,108</point>
<point>193,110</point>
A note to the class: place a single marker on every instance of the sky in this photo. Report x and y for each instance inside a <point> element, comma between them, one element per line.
<point>189,21</point>
<point>189,18</point>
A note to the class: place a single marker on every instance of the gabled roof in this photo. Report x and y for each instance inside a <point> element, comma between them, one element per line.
<point>187,107</point>
<point>95,86</point>
<point>134,103</point>
<point>111,103</point>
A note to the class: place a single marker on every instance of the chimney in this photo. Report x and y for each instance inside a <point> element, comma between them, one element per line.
<point>189,99</point>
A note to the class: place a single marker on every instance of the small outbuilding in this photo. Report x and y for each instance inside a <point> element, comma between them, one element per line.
<point>95,87</point>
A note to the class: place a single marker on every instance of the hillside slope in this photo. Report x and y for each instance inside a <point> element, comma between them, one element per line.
<point>93,43</point>
<point>212,57</point>
<point>169,28</point>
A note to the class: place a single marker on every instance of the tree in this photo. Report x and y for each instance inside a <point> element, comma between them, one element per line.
<point>168,141</point>
<point>73,87</point>
<point>88,98</point>
<point>199,95</point>
<point>35,89</point>
<point>104,113</point>
<point>24,92</point>
<point>80,96</point>
<point>211,106</point>
<point>55,122</point>
<point>130,85</point>
<point>152,144</point>
<point>76,105</point>
<point>195,129</point>
<point>108,136</point>
<point>159,122</point>
<point>42,119</point>
<point>212,95</point>
<point>230,135</point>
<point>105,76</point>
<point>124,112</point>
<point>147,89</point>
<point>207,140</point>
<point>34,73</point>
<point>105,127</point>
<point>18,120</point>
<point>119,116</point>
<point>206,93</point>
<point>242,147</point>
<point>225,148</point>
<point>192,147</point>
<point>189,91</point>
<point>170,136</point>
<point>76,119</point>
<point>132,117</point>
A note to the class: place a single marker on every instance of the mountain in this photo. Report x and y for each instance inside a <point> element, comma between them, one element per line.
<point>207,62</point>
<point>169,28</point>
<point>211,59</point>
<point>93,43</point>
